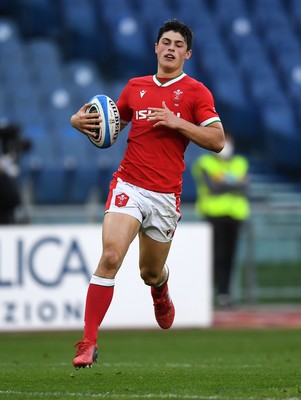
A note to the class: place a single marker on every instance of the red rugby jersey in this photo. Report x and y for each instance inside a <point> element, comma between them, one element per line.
<point>154,158</point>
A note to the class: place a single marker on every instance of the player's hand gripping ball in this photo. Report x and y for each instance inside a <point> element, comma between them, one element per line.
<point>110,124</point>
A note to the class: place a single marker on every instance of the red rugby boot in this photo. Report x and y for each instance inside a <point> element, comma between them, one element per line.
<point>163,305</point>
<point>86,354</point>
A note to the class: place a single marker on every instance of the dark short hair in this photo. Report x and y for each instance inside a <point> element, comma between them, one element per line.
<point>177,26</point>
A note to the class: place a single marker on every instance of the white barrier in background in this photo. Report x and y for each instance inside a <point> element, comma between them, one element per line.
<point>45,270</point>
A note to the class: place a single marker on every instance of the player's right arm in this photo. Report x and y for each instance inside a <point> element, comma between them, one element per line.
<point>86,122</point>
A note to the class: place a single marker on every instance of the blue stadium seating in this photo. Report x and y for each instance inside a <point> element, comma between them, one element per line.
<point>204,29</point>
<point>213,58</point>
<point>57,100</point>
<point>43,149</point>
<point>57,167</point>
<point>11,53</point>
<point>75,11</point>
<point>271,19</point>
<point>249,63</point>
<point>191,68</point>
<point>289,71</point>
<point>87,92</point>
<point>280,118</point>
<point>293,85</point>
<point>82,36</point>
<point>263,83</point>
<point>84,80</point>
<point>283,154</point>
<point>128,43</point>
<point>3,107</point>
<point>225,16</point>
<point>193,6</point>
<point>148,13</point>
<point>2,100</point>
<point>15,77</point>
<point>282,138</point>
<point>23,112</point>
<point>193,12</point>
<point>115,88</point>
<point>37,17</point>
<point>40,167</point>
<point>78,167</point>
<point>243,39</point>
<point>267,5</point>
<point>42,52</point>
<point>4,5</point>
<point>294,11</point>
<point>56,55</point>
<point>264,92</point>
<point>285,63</point>
<point>282,42</point>
<point>9,30</point>
<point>82,72</point>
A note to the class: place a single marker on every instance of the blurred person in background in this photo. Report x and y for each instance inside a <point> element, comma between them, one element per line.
<point>166,110</point>
<point>11,148</point>
<point>221,184</point>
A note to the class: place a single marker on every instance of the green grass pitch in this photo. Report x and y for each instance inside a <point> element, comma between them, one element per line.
<point>207,364</point>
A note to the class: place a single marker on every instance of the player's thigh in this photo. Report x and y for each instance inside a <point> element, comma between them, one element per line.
<point>153,255</point>
<point>118,232</point>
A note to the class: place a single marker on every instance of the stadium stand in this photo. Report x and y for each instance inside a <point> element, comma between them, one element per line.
<point>36,17</point>
<point>56,55</point>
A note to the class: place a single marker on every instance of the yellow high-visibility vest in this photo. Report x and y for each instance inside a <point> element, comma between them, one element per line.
<point>232,204</point>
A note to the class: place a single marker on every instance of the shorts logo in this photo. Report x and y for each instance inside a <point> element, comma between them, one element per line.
<point>170,233</point>
<point>121,200</point>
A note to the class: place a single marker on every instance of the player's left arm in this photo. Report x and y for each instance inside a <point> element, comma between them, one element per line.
<point>210,137</point>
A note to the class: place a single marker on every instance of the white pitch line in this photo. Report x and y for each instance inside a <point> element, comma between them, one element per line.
<point>132,396</point>
<point>137,365</point>
<point>111,395</point>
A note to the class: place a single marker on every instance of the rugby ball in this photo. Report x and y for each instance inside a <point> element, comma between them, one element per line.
<point>110,124</point>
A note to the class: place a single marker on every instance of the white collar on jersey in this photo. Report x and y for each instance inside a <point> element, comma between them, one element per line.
<point>169,82</point>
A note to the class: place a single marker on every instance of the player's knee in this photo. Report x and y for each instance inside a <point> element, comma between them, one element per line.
<point>110,260</point>
<point>150,278</point>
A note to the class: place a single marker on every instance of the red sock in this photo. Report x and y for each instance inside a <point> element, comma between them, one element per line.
<point>97,303</point>
<point>158,291</point>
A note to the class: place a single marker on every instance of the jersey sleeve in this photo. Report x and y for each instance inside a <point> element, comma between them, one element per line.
<point>206,113</point>
<point>123,105</point>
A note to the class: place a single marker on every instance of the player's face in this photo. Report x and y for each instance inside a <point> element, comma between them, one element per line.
<point>172,51</point>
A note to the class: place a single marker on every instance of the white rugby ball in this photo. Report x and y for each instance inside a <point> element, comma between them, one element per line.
<point>110,124</point>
